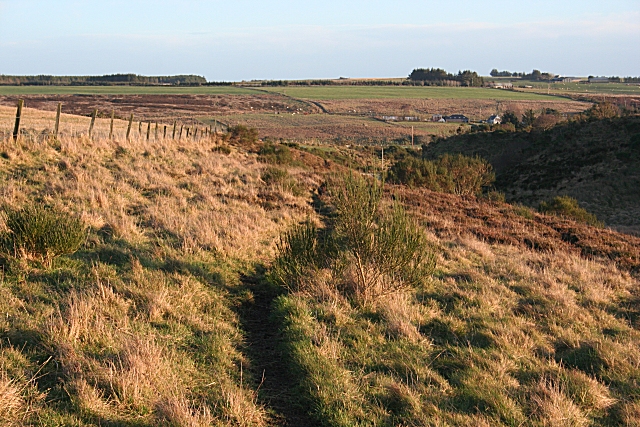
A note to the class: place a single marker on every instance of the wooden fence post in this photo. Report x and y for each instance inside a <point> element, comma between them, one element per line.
<point>174,130</point>
<point>140,128</point>
<point>113,116</point>
<point>165,132</point>
<point>93,121</point>
<point>16,128</point>
<point>156,132</point>
<point>148,130</point>
<point>195,134</point>
<point>129,127</point>
<point>188,130</point>
<point>181,127</point>
<point>57,127</point>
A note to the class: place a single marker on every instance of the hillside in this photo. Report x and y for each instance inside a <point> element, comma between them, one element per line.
<point>596,162</point>
<point>169,314</point>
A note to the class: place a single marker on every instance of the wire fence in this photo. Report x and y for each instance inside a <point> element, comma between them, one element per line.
<point>22,123</point>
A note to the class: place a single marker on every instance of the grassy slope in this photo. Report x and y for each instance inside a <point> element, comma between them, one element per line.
<point>164,318</point>
<point>142,326</point>
<point>502,335</point>
<point>598,163</point>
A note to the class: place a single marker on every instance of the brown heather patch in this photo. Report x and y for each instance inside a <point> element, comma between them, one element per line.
<point>518,326</point>
<point>476,109</point>
<point>449,216</point>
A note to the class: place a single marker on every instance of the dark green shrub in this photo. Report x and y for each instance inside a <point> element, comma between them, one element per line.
<point>456,174</point>
<point>386,248</point>
<point>222,149</point>
<point>374,251</point>
<point>40,233</point>
<point>300,255</point>
<point>278,177</point>
<point>274,175</point>
<point>495,196</point>
<point>275,154</point>
<point>568,207</point>
<point>242,135</point>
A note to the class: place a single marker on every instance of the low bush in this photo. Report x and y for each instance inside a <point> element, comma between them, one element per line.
<point>40,233</point>
<point>242,135</point>
<point>277,154</point>
<point>222,149</point>
<point>372,251</point>
<point>280,178</point>
<point>568,207</point>
<point>455,174</point>
<point>495,196</point>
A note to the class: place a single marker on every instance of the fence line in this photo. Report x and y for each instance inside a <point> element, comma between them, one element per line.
<point>60,125</point>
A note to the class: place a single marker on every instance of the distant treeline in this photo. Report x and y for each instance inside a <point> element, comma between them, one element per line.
<point>439,77</point>
<point>537,75</point>
<point>344,82</point>
<point>107,80</point>
<point>534,75</point>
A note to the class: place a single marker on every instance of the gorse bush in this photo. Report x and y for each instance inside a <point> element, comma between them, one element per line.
<point>242,135</point>
<point>275,154</point>
<point>455,174</point>
<point>301,254</point>
<point>371,251</point>
<point>280,178</point>
<point>568,207</point>
<point>40,233</point>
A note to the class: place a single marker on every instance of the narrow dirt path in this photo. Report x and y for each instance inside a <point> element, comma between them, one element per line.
<point>275,383</point>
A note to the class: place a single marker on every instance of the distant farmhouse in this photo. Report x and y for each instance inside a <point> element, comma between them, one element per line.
<point>494,120</point>
<point>456,118</point>
<point>598,79</point>
<point>437,118</point>
<point>566,80</point>
<point>500,85</point>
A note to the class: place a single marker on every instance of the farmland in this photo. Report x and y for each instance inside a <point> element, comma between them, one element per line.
<point>170,315</point>
<point>337,114</point>
<point>402,92</point>
<point>580,88</point>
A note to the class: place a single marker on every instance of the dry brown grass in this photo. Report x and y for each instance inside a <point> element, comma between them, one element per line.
<point>140,324</point>
<point>12,405</point>
<point>205,200</point>
<point>476,109</point>
<point>506,332</point>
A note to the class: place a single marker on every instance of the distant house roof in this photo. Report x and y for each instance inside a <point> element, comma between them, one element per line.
<point>456,118</point>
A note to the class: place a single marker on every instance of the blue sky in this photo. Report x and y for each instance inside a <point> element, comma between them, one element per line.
<point>248,39</point>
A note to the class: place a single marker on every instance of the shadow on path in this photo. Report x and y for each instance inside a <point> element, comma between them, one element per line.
<point>272,376</point>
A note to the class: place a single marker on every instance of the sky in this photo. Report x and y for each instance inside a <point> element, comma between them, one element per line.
<point>285,39</point>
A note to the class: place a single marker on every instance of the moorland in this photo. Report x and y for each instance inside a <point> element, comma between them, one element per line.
<point>260,277</point>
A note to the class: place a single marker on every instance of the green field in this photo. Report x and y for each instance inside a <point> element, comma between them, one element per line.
<point>586,88</point>
<point>396,92</point>
<point>124,90</point>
